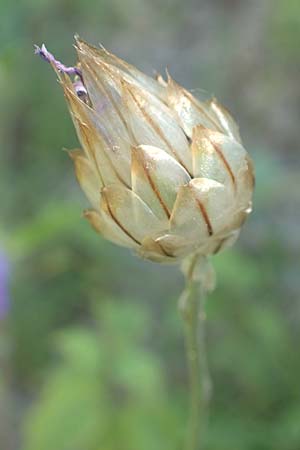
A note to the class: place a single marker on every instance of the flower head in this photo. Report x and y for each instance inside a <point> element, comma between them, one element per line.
<point>166,174</point>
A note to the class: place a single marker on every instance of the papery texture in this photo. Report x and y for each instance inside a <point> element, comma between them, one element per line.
<point>165,174</point>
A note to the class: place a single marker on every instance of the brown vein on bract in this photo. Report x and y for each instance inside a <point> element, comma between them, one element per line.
<point>108,159</point>
<point>164,251</point>
<point>106,92</point>
<point>197,105</point>
<point>117,221</point>
<point>220,110</point>
<point>92,152</point>
<point>219,245</point>
<point>250,171</point>
<point>224,160</point>
<point>157,129</point>
<point>104,67</point>
<point>81,126</point>
<point>85,132</point>
<point>154,188</point>
<point>205,216</point>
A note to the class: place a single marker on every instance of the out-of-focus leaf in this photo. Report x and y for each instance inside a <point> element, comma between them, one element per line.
<point>102,392</point>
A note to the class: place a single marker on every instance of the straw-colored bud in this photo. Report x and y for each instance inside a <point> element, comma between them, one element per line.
<point>166,174</point>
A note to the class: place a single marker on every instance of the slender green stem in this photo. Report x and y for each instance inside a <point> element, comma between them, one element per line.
<point>191,305</point>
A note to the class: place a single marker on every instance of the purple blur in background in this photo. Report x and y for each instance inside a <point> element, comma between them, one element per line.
<point>4,277</point>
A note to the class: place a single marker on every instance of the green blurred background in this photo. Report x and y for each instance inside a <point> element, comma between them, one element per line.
<point>91,345</point>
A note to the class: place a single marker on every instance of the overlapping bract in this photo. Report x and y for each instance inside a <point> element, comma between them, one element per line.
<point>166,174</point>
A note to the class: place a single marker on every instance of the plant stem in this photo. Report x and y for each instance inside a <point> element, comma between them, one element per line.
<point>191,305</point>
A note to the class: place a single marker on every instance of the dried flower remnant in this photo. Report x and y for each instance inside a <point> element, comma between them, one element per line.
<point>166,174</point>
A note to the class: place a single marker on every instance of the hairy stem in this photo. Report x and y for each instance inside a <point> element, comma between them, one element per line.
<point>192,308</point>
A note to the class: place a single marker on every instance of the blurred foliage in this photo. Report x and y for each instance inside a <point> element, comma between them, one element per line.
<point>91,353</point>
<point>102,393</point>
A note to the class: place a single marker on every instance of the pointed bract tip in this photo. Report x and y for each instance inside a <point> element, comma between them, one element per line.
<point>80,43</point>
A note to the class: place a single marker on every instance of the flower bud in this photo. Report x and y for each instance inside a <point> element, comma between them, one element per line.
<point>166,174</point>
